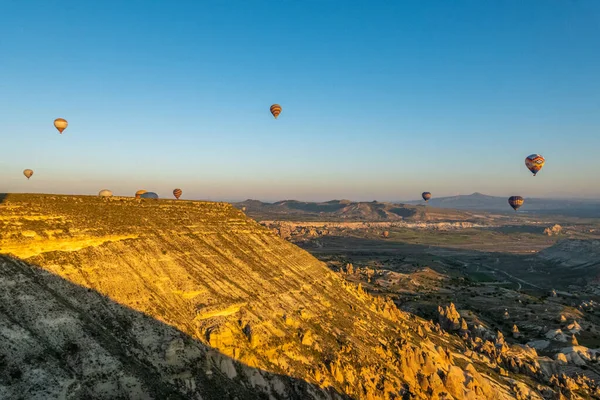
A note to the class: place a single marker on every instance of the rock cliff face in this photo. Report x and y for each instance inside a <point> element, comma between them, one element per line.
<point>133,298</point>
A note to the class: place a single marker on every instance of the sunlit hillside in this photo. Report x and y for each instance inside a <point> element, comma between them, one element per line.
<point>125,298</point>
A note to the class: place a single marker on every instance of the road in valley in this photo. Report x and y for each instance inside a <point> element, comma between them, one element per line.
<point>518,280</point>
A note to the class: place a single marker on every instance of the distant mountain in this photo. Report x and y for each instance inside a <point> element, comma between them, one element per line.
<point>344,210</point>
<point>482,202</point>
<point>475,201</point>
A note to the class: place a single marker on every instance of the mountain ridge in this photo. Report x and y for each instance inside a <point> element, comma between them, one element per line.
<point>345,210</point>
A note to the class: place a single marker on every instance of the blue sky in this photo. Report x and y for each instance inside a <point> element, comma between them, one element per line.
<point>381,100</point>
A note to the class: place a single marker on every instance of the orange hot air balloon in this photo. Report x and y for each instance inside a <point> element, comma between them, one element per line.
<point>139,193</point>
<point>177,193</point>
<point>426,196</point>
<point>276,110</point>
<point>28,173</point>
<point>534,163</point>
<point>515,202</point>
<point>60,124</point>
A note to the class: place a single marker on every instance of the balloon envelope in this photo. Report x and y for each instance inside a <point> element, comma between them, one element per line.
<point>28,173</point>
<point>177,193</point>
<point>515,202</point>
<point>60,124</point>
<point>276,110</point>
<point>105,193</point>
<point>139,193</point>
<point>426,195</point>
<point>534,163</point>
<point>149,195</point>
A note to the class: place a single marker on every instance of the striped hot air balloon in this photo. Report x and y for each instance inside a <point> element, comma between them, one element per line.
<point>426,196</point>
<point>105,193</point>
<point>139,193</point>
<point>177,193</point>
<point>534,163</point>
<point>28,173</point>
<point>276,110</point>
<point>60,124</point>
<point>515,202</point>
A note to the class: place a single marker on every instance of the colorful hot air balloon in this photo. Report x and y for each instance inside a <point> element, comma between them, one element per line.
<point>177,193</point>
<point>60,124</point>
<point>515,202</point>
<point>149,195</point>
<point>139,193</point>
<point>534,163</point>
<point>426,195</point>
<point>276,110</point>
<point>105,193</point>
<point>28,173</point>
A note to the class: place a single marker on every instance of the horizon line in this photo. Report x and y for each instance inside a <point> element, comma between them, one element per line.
<point>271,201</point>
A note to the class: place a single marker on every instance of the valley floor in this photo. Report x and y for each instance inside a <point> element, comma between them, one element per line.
<point>498,278</point>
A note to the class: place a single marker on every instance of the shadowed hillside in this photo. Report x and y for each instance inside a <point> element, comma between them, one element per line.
<point>125,298</point>
<point>575,261</point>
<point>61,340</point>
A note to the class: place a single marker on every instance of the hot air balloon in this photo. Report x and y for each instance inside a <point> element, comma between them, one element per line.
<point>105,193</point>
<point>515,202</point>
<point>534,163</point>
<point>426,195</point>
<point>149,195</point>
<point>276,110</point>
<point>177,193</point>
<point>28,173</point>
<point>60,124</point>
<point>139,193</point>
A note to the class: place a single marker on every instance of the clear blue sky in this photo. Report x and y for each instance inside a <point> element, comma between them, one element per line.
<point>381,99</point>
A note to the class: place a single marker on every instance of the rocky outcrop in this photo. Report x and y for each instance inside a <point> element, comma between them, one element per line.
<point>578,355</point>
<point>567,386</point>
<point>573,327</point>
<point>449,318</point>
<point>557,335</point>
<point>515,332</point>
<point>553,231</point>
<point>574,341</point>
